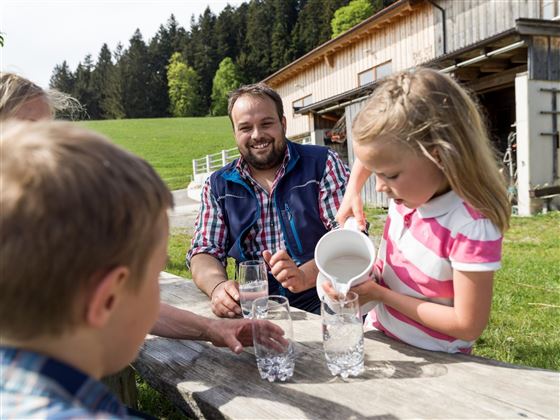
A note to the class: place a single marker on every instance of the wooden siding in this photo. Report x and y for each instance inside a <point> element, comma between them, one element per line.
<point>471,21</point>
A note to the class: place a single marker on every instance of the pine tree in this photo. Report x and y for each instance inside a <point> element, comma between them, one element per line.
<point>255,58</point>
<point>225,31</point>
<point>285,12</point>
<point>225,80</point>
<point>168,39</point>
<point>204,57</point>
<point>312,28</point>
<point>83,89</point>
<point>62,78</point>
<point>106,85</point>
<point>135,78</point>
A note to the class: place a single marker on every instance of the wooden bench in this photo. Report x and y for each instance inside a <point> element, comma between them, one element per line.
<point>400,381</point>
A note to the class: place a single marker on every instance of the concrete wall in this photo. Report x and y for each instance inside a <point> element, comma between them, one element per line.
<point>534,151</point>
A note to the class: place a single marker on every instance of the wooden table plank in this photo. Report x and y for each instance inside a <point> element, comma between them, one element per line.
<point>400,381</point>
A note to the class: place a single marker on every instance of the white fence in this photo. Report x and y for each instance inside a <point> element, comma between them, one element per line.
<point>213,162</point>
<point>204,166</point>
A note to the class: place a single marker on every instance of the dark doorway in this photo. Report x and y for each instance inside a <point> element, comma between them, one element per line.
<point>499,107</point>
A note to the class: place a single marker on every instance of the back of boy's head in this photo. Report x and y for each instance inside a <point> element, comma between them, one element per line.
<point>74,206</point>
<point>428,111</point>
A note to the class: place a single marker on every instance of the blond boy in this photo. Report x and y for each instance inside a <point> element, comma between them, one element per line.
<point>83,238</point>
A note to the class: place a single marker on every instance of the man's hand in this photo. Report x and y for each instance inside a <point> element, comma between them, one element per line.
<point>285,270</point>
<point>236,333</point>
<point>232,333</point>
<point>225,299</point>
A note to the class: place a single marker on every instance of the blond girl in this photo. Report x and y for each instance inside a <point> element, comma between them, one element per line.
<point>423,138</point>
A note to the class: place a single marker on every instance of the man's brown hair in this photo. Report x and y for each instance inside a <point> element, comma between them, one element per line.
<point>259,90</point>
<point>73,206</point>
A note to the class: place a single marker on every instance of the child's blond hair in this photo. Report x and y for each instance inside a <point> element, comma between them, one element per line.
<point>74,206</point>
<point>429,112</point>
<point>15,91</point>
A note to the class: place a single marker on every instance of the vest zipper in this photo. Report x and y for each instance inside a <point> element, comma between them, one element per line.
<point>293,227</point>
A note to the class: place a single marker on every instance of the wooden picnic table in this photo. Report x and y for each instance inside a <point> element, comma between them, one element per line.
<point>400,381</point>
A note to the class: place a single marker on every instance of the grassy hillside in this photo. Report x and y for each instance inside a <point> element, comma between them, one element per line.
<point>170,144</point>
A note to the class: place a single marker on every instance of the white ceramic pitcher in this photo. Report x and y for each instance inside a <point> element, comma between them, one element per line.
<point>345,243</point>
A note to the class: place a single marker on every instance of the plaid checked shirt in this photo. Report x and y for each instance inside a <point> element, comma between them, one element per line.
<point>35,386</point>
<point>211,231</point>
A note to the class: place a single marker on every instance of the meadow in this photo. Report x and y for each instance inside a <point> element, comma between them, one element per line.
<point>169,144</point>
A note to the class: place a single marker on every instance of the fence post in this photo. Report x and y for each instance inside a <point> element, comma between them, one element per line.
<point>194,168</point>
<point>208,163</point>
<point>224,157</point>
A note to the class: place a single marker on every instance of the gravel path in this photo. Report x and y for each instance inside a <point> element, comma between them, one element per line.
<point>184,214</point>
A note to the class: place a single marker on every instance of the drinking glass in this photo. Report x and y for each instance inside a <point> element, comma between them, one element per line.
<point>275,355</point>
<point>343,335</point>
<point>253,283</point>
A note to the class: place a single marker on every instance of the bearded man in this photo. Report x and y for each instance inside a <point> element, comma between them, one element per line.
<point>274,203</point>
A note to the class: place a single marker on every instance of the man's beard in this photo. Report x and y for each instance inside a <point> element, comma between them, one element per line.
<point>271,160</point>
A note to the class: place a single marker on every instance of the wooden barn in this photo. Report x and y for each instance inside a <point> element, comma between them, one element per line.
<point>508,52</point>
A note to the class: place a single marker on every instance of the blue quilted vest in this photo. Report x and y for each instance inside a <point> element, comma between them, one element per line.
<point>296,198</point>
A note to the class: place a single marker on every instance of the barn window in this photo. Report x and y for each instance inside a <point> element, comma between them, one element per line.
<point>549,9</point>
<point>302,102</point>
<point>374,73</point>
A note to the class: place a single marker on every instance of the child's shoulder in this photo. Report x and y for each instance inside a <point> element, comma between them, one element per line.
<point>470,223</point>
<point>51,389</point>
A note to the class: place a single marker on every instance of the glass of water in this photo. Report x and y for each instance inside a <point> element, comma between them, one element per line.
<point>275,355</point>
<point>253,283</point>
<point>343,334</point>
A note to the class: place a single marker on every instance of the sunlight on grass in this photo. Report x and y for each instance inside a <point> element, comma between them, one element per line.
<point>169,144</point>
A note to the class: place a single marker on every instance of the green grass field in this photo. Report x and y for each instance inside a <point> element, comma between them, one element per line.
<point>170,144</point>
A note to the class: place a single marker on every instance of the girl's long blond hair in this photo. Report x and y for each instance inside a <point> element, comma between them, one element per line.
<point>435,116</point>
<point>16,91</point>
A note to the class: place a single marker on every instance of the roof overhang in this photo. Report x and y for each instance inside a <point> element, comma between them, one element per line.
<point>504,53</point>
<point>338,101</point>
<point>325,51</point>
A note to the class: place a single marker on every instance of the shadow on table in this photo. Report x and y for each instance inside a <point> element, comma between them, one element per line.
<point>201,386</point>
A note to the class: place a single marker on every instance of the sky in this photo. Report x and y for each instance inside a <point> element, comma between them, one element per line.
<point>39,34</point>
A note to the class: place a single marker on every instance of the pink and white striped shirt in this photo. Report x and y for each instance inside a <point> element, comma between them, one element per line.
<point>419,250</point>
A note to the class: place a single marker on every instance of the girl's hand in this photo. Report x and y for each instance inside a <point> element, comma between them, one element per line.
<point>367,291</point>
<point>352,205</point>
